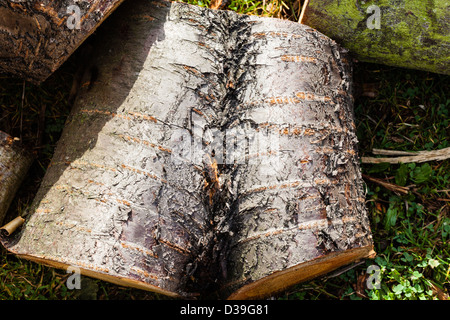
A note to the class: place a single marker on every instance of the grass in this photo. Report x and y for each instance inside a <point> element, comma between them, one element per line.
<point>411,232</point>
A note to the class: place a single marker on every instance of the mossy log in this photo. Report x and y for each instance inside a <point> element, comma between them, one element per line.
<point>36,37</point>
<point>412,34</point>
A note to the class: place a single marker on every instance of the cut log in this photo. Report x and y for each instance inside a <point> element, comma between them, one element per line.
<point>213,155</point>
<point>36,37</point>
<point>413,34</point>
<point>14,165</point>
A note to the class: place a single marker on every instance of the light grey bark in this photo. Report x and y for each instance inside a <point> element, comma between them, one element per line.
<point>118,200</point>
<point>14,165</point>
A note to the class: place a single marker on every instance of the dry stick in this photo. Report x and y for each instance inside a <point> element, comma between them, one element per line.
<point>420,156</point>
<point>404,157</point>
<point>393,152</point>
<point>303,11</point>
<point>387,185</point>
<point>343,270</point>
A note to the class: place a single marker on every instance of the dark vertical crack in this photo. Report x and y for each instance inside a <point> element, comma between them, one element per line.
<point>208,269</point>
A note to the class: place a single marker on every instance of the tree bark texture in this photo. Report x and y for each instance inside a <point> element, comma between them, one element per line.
<point>412,34</point>
<point>152,185</point>
<point>14,165</point>
<point>36,37</point>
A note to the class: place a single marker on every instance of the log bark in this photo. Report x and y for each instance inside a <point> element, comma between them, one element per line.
<point>164,177</point>
<point>36,37</point>
<point>412,34</point>
<point>14,165</point>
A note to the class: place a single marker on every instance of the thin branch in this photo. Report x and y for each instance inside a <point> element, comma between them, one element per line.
<point>393,152</point>
<point>420,156</point>
<point>387,185</point>
<point>343,270</point>
<point>303,11</point>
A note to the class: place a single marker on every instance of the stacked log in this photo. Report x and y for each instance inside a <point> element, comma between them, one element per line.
<point>37,37</point>
<point>14,165</point>
<point>209,153</point>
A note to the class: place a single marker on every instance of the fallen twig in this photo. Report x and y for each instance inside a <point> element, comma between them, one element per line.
<point>393,152</point>
<point>343,270</point>
<point>407,156</point>
<point>305,4</point>
<point>387,185</point>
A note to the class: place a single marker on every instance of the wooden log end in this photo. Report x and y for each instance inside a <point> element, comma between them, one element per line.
<point>280,281</point>
<point>121,281</point>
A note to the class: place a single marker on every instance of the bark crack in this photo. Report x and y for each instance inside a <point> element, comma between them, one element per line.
<point>209,269</point>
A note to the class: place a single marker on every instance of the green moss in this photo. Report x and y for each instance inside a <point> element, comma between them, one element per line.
<point>412,34</point>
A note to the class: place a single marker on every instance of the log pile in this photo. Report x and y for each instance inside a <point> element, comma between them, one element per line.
<point>212,154</point>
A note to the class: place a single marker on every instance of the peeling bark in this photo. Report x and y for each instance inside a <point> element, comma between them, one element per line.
<point>152,185</point>
<point>14,165</point>
<point>36,37</point>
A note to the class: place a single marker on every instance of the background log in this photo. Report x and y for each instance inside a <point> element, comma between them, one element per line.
<point>14,165</point>
<point>123,203</point>
<point>412,34</point>
<point>36,37</point>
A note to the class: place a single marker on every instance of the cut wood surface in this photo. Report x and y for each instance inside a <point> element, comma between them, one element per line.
<point>163,178</point>
<point>413,34</point>
<point>14,165</point>
<point>36,37</point>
